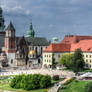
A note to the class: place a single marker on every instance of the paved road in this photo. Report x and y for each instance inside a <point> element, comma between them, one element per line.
<point>55,88</point>
<point>39,71</point>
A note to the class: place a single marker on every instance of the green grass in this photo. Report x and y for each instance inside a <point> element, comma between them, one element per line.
<point>75,86</point>
<point>7,87</point>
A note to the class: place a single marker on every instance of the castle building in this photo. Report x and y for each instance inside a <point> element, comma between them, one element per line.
<point>20,51</point>
<point>68,45</point>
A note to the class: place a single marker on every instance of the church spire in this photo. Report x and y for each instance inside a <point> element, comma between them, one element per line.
<point>30,32</point>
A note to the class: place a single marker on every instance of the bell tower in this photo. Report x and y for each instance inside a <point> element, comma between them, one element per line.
<point>10,43</point>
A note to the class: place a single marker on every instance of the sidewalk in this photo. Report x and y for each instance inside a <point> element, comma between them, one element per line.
<point>55,88</point>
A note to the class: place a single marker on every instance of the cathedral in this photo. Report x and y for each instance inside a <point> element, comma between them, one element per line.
<point>20,51</point>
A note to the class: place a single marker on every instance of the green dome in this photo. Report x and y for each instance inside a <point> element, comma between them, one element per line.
<point>30,32</point>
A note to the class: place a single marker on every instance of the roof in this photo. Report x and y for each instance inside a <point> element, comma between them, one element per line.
<point>58,48</point>
<point>69,39</point>
<point>37,41</point>
<point>84,45</point>
<point>10,27</point>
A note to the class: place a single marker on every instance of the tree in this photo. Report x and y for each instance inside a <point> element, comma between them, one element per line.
<point>88,87</point>
<point>66,60</point>
<point>78,61</point>
<point>53,62</point>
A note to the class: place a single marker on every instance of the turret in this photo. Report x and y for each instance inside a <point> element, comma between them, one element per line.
<point>30,32</point>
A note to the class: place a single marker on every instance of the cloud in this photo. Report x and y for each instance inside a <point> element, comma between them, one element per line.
<point>14,7</point>
<point>49,16</point>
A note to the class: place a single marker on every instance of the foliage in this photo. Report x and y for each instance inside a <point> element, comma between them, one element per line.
<point>78,61</point>
<point>66,60</point>
<point>30,82</point>
<point>56,77</point>
<point>45,81</point>
<point>74,61</point>
<point>53,62</point>
<point>88,87</point>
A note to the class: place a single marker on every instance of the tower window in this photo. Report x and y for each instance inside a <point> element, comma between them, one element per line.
<point>0,24</point>
<point>11,61</point>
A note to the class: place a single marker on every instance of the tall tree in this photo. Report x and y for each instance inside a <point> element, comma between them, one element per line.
<point>78,61</point>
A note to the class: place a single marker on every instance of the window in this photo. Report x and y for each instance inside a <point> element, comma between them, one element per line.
<point>20,56</point>
<point>86,55</point>
<point>11,61</point>
<point>90,61</point>
<point>90,56</point>
<point>30,48</point>
<point>86,60</point>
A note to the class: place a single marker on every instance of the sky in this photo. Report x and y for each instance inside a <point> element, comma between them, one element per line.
<point>51,18</point>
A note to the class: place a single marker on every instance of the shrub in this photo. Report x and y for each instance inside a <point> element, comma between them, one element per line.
<point>16,82</point>
<point>30,82</point>
<point>45,81</point>
<point>88,87</point>
<point>56,77</point>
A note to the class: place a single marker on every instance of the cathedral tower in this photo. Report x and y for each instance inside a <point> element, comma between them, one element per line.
<point>10,43</point>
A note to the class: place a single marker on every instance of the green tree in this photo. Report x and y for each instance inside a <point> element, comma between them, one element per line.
<point>88,87</point>
<point>78,61</point>
<point>53,62</point>
<point>66,60</point>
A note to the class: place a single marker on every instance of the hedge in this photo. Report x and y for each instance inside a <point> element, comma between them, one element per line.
<point>30,82</point>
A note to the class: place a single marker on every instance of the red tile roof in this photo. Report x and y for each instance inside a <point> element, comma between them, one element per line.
<point>85,45</point>
<point>58,48</point>
<point>69,39</point>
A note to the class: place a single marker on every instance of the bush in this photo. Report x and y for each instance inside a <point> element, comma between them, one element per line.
<point>30,82</point>
<point>88,87</point>
<point>56,77</point>
<point>45,81</point>
<point>16,82</point>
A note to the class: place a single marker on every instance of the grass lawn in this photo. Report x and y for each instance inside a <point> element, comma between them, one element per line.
<point>7,87</point>
<point>75,86</point>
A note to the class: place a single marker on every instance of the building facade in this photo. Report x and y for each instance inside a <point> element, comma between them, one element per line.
<point>68,45</point>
